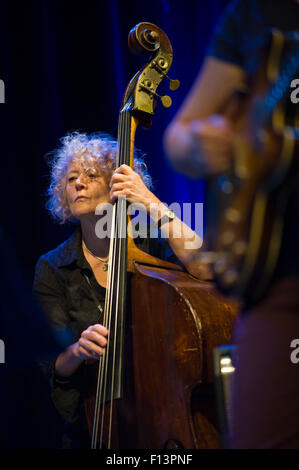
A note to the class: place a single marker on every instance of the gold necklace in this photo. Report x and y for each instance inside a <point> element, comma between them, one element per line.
<point>103,260</point>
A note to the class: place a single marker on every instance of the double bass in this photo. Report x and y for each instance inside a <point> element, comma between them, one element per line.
<point>153,387</point>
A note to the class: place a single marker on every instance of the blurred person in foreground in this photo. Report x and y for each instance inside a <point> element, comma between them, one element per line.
<point>199,143</point>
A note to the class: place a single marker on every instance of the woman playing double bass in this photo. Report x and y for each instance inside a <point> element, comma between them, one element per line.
<point>70,281</point>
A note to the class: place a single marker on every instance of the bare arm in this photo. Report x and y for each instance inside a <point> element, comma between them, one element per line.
<point>184,242</point>
<point>199,138</point>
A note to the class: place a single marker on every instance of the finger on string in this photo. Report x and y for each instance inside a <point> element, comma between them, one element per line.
<point>118,186</point>
<point>117,178</point>
<point>116,194</point>
<point>125,169</point>
<point>101,329</point>
<point>93,349</point>
<point>97,338</point>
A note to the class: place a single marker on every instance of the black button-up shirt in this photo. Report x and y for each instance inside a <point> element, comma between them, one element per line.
<point>68,292</point>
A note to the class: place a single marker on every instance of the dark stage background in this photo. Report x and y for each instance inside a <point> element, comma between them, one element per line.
<point>65,66</point>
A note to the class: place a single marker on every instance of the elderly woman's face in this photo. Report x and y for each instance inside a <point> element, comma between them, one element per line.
<point>85,189</point>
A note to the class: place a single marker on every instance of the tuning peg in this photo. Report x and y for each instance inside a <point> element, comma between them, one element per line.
<point>173,84</point>
<point>165,100</point>
<point>160,66</point>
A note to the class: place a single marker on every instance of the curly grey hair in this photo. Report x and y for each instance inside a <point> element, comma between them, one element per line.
<point>97,150</point>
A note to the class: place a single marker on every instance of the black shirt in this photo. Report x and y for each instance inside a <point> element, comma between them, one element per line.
<point>68,292</point>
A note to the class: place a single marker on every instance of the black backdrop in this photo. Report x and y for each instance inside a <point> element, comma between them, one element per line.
<point>65,66</point>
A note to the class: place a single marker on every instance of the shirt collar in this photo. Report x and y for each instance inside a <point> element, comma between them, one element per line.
<point>71,251</point>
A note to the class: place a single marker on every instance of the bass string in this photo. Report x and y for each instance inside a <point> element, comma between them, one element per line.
<point>103,362</point>
<point>120,241</point>
<point>114,282</point>
<point>116,327</point>
<point>112,294</point>
<point>101,381</point>
<point>114,288</point>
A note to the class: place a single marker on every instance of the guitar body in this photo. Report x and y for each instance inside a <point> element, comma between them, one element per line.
<point>254,196</point>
